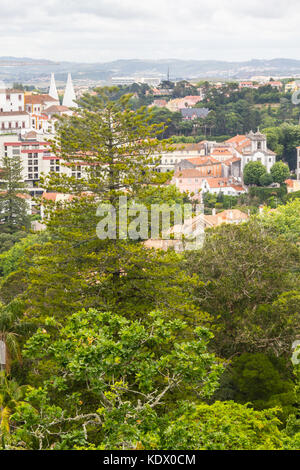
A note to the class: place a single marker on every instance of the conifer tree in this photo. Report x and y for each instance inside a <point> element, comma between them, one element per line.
<point>115,146</point>
<point>13,207</point>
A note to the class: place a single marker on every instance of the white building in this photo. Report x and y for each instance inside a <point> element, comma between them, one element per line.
<point>11,100</point>
<point>252,148</point>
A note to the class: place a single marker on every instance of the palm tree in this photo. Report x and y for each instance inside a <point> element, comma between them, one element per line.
<point>9,345</point>
<point>11,328</point>
<point>10,394</point>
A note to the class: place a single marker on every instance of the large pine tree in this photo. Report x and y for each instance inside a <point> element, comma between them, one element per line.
<point>13,207</point>
<point>115,147</point>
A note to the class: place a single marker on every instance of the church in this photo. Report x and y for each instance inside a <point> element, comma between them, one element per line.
<point>252,147</point>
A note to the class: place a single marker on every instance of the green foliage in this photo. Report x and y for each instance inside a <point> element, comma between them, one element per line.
<point>124,373</point>
<point>280,172</point>
<point>243,270</point>
<point>134,368</point>
<point>223,426</point>
<point>283,140</point>
<point>11,259</point>
<point>264,381</point>
<point>271,196</point>
<point>13,208</point>
<point>285,220</point>
<point>253,172</point>
<point>266,179</point>
<point>7,240</point>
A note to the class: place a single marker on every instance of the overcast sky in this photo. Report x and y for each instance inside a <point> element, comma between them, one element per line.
<point>104,30</point>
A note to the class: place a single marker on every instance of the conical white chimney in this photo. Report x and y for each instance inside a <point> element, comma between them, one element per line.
<point>52,90</point>
<point>69,96</point>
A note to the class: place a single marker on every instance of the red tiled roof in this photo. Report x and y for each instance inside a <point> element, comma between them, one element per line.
<point>187,173</point>
<point>14,113</point>
<point>217,182</point>
<point>205,160</point>
<point>237,139</point>
<point>231,160</point>
<point>38,99</point>
<point>56,109</point>
<point>221,151</point>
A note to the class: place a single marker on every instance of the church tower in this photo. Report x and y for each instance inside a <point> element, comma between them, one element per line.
<point>69,96</point>
<point>258,141</point>
<point>52,90</point>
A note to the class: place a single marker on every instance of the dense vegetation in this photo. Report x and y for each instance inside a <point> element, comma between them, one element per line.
<point>114,346</point>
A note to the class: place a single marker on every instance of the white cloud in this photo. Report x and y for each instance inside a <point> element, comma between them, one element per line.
<point>102,30</point>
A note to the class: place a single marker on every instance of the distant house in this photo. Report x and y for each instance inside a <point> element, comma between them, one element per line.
<point>193,230</point>
<point>225,186</point>
<point>292,185</point>
<point>206,166</point>
<point>159,103</point>
<point>188,180</point>
<point>179,103</point>
<point>57,110</point>
<point>194,113</point>
<point>246,84</point>
<point>275,84</point>
<point>193,181</point>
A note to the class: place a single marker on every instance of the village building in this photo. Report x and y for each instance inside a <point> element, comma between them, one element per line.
<point>292,185</point>
<point>189,114</point>
<point>192,181</point>
<point>169,160</point>
<point>180,103</point>
<point>191,233</point>
<point>252,147</point>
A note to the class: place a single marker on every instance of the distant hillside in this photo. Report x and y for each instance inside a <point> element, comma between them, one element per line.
<point>37,70</point>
